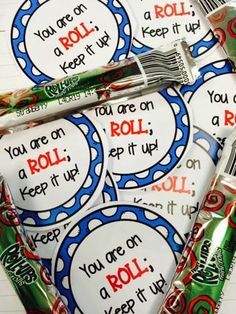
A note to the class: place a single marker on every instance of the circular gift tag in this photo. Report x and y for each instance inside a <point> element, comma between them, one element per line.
<point>55,170</point>
<point>162,22</point>
<point>45,241</point>
<point>141,150</point>
<point>179,197</point>
<point>213,99</point>
<point>76,37</point>
<point>115,254</point>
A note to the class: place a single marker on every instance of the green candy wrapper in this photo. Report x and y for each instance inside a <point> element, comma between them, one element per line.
<point>208,258</point>
<point>155,69</point>
<point>22,264</point>
<point>222,17</point>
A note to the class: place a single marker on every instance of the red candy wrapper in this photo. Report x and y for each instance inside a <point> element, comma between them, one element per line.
<point>208,258</point>
<point>221,15</point>
<point>22,264</point>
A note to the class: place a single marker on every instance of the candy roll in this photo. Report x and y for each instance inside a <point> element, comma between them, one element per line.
<point>157,69</point>
<point>208,259</point>
<point>22,264</point>
<point>221,15</point>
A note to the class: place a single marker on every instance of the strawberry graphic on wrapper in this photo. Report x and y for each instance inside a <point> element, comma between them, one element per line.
<point>11,102</point>
<point>45,275</point>
<point>21,262</point>
<point>5,104</point>
<point>103,94</point>
<point>59,307</point>
<point>8,215</point>
<point>28,253</point>
<point>110,82</point>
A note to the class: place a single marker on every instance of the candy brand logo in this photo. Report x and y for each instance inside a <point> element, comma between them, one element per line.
<point>210,268</point>
<point>17,266</point>
<point>61,87</point>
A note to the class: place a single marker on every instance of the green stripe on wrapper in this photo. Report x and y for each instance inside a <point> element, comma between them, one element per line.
<point>155,69</point>
<point>208,258</point>
<point>22,264</point>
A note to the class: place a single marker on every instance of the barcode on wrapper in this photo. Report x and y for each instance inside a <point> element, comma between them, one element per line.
<point>174,65</point>
<point>208,6</point>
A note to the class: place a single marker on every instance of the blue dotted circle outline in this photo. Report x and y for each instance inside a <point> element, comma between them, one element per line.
<point>109,191</point>
<point>142,181</point>
<point>84,231</point>
<point>78,203</point>
<point>215,69</point>
<point>29,67</point>
<point>138,47</point>
<point>214,147</point>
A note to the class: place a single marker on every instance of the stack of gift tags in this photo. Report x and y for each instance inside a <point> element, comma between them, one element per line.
<point>109,196</point>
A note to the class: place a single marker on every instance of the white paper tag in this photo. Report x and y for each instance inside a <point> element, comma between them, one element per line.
<point>141,151</point>
<point>51,40</point>
<point>213,98</point>
<point>179,197</point>
<point>121,254</point>
<point>160,22</point>
<point>46,241</point>
<point>54,170</point>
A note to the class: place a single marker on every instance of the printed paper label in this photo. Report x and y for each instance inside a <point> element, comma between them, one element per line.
<point>179,197</point>
<point>129,277</point>
<point>45,241</point>
<point>51,167</point>
<point>213,99</point>
<point>119,271</point>
<point>51,40</point>
<point>214,105</point>
<point>161,22</point>
<point>137,132</point>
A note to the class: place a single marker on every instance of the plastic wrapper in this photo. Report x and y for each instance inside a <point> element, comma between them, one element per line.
<point>222,17</point>
<point>157,69</point>
<point>22,264</point>
<point>208,258</point>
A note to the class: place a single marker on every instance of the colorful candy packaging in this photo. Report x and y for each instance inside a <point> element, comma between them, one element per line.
<point>208,258</point>
<point>21,263</point>
<point>222,17</point>
<point>157,68</point>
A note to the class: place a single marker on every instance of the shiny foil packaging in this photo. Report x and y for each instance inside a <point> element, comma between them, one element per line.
<point>155,69</point>
<point>208,258</point>
<point>22,264</point>
<point>221,15</point>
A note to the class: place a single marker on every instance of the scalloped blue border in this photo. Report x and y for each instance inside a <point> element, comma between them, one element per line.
<point>138,47</point>
<point>139,211</point>
<point>20,40</point>
<point>174,159</point>
<point>113,194</point>
<point>70,211</point>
